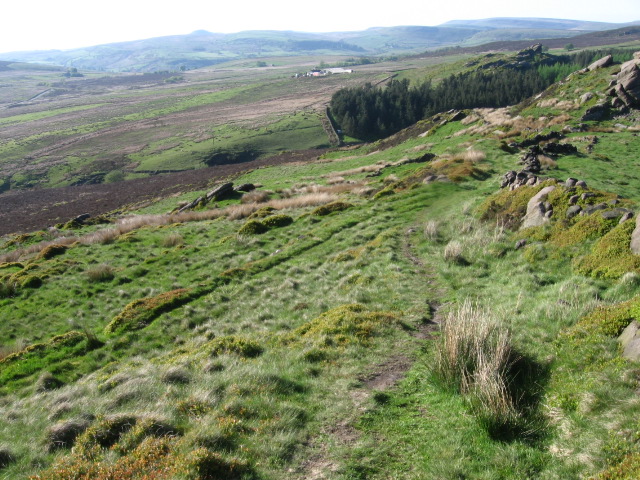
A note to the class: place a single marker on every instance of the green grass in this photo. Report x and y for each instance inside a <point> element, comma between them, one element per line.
<point>307,345</point>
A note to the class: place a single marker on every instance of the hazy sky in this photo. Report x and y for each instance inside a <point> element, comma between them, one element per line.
<point>47,24</point>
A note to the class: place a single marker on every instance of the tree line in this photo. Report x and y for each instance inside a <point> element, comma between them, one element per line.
<point>370,113</point>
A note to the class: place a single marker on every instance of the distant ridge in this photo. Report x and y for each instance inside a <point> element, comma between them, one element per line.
<point>593,39</point>
<point>202,48</point>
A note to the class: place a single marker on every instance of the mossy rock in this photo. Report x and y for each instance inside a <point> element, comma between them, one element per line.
<point>277,221</point>
<point>140,313</point>
<point>608,320</point>
<point>51,251</point>
<point>330,208</point>
<point>611,256</point>
<point>508,207</point>
<point>30,281</point>
<point>253,227</point>
<point>586,228</point>
<point>242,347</point>
<point>343,325</point>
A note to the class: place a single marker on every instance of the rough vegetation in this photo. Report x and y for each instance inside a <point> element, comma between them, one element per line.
<point>402,309</point>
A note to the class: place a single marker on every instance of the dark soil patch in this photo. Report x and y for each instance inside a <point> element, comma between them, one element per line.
<point>30,210</point>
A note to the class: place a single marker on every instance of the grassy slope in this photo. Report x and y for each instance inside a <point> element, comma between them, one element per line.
<point>264,365</point>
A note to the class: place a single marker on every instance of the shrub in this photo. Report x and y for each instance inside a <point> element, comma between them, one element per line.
<point>253,227</point>
<point>277,221</point>
<point>330,208</point>
<point>611,256</point>
<point>343,325</point>
<point>236,345</point>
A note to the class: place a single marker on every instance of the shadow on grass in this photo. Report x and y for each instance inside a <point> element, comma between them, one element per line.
<point>527,380</point>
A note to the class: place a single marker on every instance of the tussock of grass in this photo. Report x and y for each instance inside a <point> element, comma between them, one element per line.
<point>139,313</point>
<point>341,326</point>
<point>474,357</point>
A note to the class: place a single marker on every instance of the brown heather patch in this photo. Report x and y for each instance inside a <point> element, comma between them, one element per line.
<point>316,196</point>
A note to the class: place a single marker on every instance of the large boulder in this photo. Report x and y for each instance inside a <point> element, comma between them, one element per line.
<point>538,212</point>
<point>630,341</point>
<point>626,86</point>
<point>602,63</point>
<point>635,238</point>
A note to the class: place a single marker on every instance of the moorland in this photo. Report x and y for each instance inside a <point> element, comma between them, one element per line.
<point>444,301</point>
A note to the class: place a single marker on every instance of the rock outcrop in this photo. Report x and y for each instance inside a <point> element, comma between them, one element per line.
<point>538,209</point>
<point>626,85</point>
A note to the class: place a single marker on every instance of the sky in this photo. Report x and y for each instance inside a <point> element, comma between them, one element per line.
<point>47,24</point>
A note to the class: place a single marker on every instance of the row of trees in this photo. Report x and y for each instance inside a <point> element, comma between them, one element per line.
<point>371,113</point>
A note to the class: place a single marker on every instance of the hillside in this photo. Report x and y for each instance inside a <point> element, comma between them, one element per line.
<point>202,48</point>
<point>442,303</point>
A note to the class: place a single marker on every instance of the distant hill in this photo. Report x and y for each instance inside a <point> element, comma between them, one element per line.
<point>536,24</point>
<point>202,48</point>
<point>592,39</point>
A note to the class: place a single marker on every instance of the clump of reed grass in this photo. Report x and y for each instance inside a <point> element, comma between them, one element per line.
<point>101,273</point>
<point>432,230</point>
<point>453,252</point>
<point>474,357</point>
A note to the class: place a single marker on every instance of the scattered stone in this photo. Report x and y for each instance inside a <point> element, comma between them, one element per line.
<point>521,243</point>
<point>428,179</point>
<point>594,208</point>
<point>530,160</point>
<point>554,149</point>
<point>514,179</point>
<point>81,218</point>
<point>573,210</point>
<point>625,217</point>
<point>630,341</point>
<point>536,140</point>
<point>597,112</point>
<point>571,182</point>
<point>245,187</point>
<point>581,184</point>
<point>586,97</point>
<point>586,195</point>
<point>574,199</point>
<point>614,213</point>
